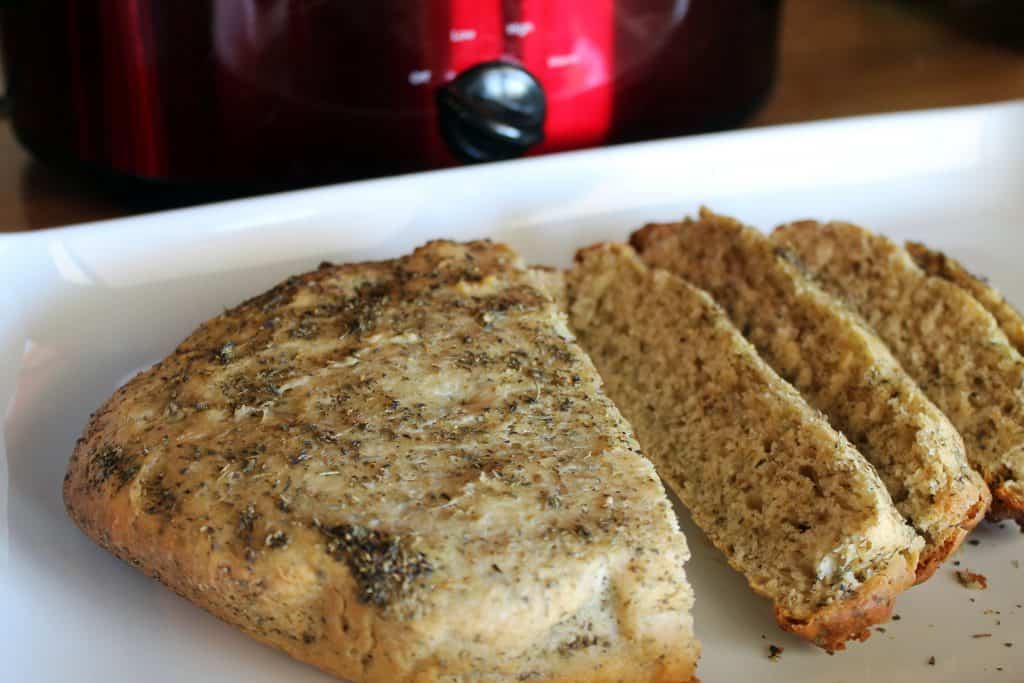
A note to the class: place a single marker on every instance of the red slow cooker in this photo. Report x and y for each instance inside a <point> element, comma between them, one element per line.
<point>277,93</point>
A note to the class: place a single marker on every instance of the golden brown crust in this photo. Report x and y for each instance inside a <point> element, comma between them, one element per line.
<point>944,547</point>
<point>1007,503</point>
<point>938,264</point>
<point>832,626</point>
<point>349,468</point>
<point>650,234</point>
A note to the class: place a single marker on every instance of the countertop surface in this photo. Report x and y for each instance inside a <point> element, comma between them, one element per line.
<point>837,58</point>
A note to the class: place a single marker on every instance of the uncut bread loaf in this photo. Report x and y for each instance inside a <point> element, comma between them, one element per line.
<point>838,364</point>
<point>403,471</point>
<point>941,335</point>
<point>939,264</point>
<point>787,499</point>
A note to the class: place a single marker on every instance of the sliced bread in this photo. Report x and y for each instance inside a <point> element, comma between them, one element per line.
<point>941,335</point>
<point>838,364</point>
<point>399,472</point>
<point>938,264</point>
<point>787,499</point>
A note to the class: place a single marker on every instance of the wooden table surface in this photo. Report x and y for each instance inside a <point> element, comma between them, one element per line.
<point>838,58</point>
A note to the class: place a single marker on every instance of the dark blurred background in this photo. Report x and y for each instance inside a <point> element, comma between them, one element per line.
<point>836,58</point>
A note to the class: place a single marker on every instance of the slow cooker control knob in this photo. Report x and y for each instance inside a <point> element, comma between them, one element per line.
<point>492,111</point>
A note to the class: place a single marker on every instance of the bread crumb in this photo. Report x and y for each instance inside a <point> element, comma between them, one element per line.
<point>971,580</point>
<point>774,651</point>
<point>982,635</point>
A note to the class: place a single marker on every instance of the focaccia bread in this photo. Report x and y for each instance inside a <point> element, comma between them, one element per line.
<point>941,335</point>
<point>939,264</point>
<point>786,498</point>
<point>403,471</point>
<point>840,366</point>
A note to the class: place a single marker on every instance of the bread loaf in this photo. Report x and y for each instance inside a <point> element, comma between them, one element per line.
<point>402,471</point>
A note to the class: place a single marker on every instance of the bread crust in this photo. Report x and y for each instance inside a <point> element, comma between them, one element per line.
<point>816,342</point>
<point>1008,503</point>
<point>835,624</point>
<point>954,537</point>
<point>403,584</point>
<point>938,264</point>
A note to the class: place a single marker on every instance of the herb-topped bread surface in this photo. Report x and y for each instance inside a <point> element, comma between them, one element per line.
<point>398,471</point>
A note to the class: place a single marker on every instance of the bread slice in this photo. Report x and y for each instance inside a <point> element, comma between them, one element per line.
<point>398,471</point>
<point>937,264</point>
<point>941,335</point>
<point>789,500</point>
<point>838,364</point>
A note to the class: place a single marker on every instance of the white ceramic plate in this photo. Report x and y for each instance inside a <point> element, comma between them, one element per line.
<point>83,308</point>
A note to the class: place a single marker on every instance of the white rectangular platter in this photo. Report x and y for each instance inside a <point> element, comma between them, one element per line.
<point>83,308</point>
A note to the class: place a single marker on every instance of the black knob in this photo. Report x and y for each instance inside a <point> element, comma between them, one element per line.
<point>492,111</point>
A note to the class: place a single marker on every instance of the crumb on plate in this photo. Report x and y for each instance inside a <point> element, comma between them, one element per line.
<point>971,580</point>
